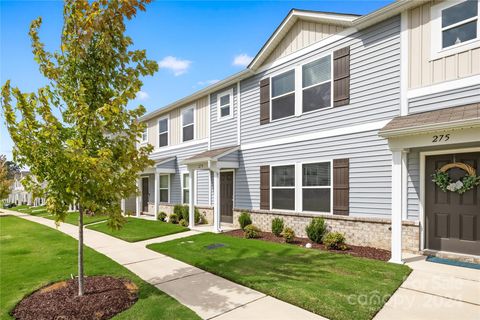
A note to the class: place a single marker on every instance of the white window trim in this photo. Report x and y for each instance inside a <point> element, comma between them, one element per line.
<point>144,141</point>
<point>230,105</point>
<point>436,31</point>
<point>294,187</point>
<point>298,187</point>
<point>194,123</point>
<point>294,91</point>
<point>168,187</point>
<point>183,186</point>
<point>168,131</point>
<point>298,87</point>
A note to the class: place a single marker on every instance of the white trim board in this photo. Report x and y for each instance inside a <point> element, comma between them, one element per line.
<point>177,146</point>
<point>371,126</point>
<point>444,86</point>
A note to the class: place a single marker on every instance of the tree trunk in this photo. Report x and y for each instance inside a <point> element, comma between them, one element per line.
<point>80,252</point>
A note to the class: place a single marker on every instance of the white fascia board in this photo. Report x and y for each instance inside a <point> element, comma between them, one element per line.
<point>459,124</point>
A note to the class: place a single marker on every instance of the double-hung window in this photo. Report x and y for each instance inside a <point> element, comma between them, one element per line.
<point>283,95</point>
<point>185,188</point>
<point>188,124</point>
<point>317,84</point>
<point>316,187</point>
<point>459,23</point>
<point>283,187</point>
<point>224,104</point>
<point>163,132</point>
<point>164,184</point>
<point>144,135</point>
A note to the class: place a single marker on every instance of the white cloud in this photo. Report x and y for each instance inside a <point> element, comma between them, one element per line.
<point>242,60</point>
<point>207,82</point>
<point>142,95</point>
<point>177,66</point>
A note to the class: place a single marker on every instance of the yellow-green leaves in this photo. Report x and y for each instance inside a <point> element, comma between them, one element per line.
<point>76,134</point>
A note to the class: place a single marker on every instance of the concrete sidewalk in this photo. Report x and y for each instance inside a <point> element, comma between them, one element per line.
<point>210,296</point>
<point>435,291</point>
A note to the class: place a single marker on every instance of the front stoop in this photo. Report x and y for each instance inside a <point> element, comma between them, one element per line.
<point>435,291</point>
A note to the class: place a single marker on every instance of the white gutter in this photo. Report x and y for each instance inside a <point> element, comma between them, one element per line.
<point>458,124</point>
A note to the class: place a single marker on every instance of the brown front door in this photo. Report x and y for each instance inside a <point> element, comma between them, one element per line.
<point>452,219</point>
<point>226,197</point>
<point>145,194</point>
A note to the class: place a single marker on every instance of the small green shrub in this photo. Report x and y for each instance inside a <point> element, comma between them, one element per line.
<point>173,218</point>
<point>162,216</point>
<point>316,230</point>
<point>183,223</point>
<point>289,235</point>
<point>244,220</point>
<point>251,232</point>
<point>335,241</point>
<point>277,226</point>
<point>203,220</point>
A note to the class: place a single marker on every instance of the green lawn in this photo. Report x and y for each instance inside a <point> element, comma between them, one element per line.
<point>325,283</point>
<point>32,255</point>
<point>136,229</point>
<point>72,218</point>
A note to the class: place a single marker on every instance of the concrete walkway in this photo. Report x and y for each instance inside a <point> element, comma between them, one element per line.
<point>210,296</point>
<point>435,291</point>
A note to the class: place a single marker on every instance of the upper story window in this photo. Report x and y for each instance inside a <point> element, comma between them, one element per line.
<point>459,23</point>
<point>317,84</point>
<point>455,27</point>
<point>145,135</point>
<point>224,105</point>
<point>283,95</point>
<point>163,132</point>
<point>188,124</point>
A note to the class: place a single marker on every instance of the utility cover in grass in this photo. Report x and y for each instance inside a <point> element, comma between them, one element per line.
<point>215,246</point>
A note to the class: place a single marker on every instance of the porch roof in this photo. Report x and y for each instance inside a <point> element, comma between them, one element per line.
<point>449,118</point>
<point>211,155</point>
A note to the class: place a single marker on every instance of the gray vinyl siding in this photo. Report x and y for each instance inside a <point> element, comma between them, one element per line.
<point>167,165</point>
<point>202,187</point>
<point>233,156</point>
<point>413,185</point>
<point>370,169</point>
<point>374,95</point>
<point>446,99</point>
<point>175,179</point>
<point>130,205</point>
<point>223,133</point>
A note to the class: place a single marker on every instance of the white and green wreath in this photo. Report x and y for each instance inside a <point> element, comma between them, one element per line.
<point>444,182</point>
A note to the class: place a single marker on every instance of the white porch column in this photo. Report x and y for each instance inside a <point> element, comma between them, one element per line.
<point>122,206</point>
<point>157,194</point>
<point>191,199</point>
<point>138,202</point>
<point>396,206</point>
<point>216,202</point>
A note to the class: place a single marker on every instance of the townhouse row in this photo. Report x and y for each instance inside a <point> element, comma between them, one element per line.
<point>340,116</point>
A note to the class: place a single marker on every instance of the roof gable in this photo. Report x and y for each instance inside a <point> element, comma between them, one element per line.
<point>297,31</point>
<point>302,34</point>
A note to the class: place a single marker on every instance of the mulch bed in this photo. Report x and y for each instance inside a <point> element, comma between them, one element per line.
<point>358,251</point>
<point>104,298</point>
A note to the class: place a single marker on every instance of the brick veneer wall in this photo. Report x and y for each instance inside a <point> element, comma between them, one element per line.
<point>372,232</point>
<point>207,212</point>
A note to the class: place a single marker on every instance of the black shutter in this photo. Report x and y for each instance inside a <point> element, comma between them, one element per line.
<point>265,101</point>
<point>341,77</point>
<point>341,186</point>
<point>265,187</point>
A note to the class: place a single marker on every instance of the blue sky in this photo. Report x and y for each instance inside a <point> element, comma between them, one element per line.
<point>195,42</point>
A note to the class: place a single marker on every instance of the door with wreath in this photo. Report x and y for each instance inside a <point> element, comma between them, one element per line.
<point>452,203</point>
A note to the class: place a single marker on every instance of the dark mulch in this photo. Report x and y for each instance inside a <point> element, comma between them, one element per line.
<point>104,297</point>
<point>358,251</point>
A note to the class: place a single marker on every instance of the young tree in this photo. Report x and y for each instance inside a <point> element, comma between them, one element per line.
<point>5,180</point>
<point>76,133</point>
